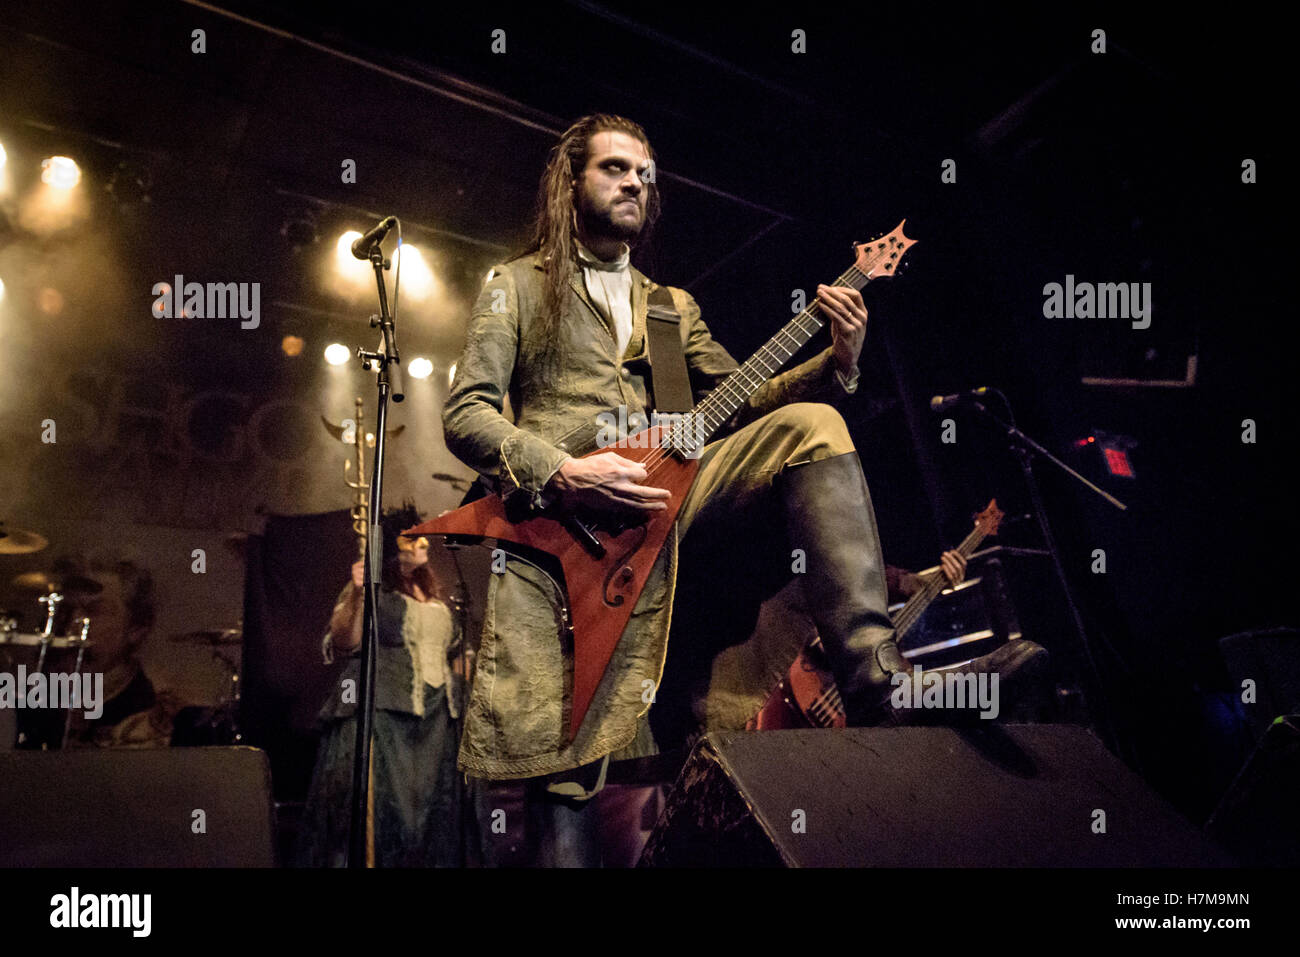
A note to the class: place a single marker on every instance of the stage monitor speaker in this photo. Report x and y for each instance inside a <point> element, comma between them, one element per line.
<point>997,796</point>
<point>179,807</point>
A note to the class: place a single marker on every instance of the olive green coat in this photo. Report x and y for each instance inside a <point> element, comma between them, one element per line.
<point>515,719</point>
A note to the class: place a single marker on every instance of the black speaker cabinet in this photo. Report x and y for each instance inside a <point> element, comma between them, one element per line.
<point>181,807</point>
<point>997,796</point>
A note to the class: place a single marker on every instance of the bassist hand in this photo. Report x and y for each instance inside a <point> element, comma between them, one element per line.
<point>954,566</point>
<point>848,321</point>
<point>607,481</point>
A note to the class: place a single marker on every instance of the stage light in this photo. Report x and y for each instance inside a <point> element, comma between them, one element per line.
<point>50,301</point>
<point>343,248</point>
<point>60,172</point>
<point>351,277</point>
<point>417,277</point>
<point>3,156</point>
<point>336,354</point>
<point>291,345</point>
<point>2,290</point>
<point>420,368</point>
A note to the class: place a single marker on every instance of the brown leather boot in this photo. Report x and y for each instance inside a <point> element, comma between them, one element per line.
<point>828,514</point>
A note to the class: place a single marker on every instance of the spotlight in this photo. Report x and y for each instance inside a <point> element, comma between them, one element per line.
<point>336,353</point>
<point>50,301</point>
<point>60,172</point>
<point>3,155</point>
<point>291,345</point>
<point>2,290</point>
<point>417,277</point>
<point>420,368</point>
<point>351,276</point>
<point>343,248</point>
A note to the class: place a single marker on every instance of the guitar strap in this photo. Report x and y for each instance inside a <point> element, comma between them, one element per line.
<point>669,381</point>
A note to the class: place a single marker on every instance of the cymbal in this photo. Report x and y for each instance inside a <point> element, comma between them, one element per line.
<point>210,636</point>
<point>42,582</point>
<point>455,481</point>
<point>19,541</point>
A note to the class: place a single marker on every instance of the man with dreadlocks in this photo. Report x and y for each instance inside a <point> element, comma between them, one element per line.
<point>562,331</point>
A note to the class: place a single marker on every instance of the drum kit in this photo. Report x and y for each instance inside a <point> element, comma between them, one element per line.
<point>60,646</point>
<point>41,652</point>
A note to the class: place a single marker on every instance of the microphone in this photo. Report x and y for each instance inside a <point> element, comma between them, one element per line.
<point>362,245</point>
<point>942,403</point>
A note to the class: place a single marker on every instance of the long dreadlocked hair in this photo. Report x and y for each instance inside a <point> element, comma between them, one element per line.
<point>554,229</point>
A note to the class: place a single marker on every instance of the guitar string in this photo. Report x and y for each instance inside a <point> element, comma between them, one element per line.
<point>704,410</point>
<point>909,615</point>
<point>659,455</point>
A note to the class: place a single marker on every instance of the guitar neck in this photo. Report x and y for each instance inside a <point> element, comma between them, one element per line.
<point>721,404</point>
<point>910,613</point>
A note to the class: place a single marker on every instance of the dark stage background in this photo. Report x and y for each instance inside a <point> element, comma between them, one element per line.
<point>226,166</point>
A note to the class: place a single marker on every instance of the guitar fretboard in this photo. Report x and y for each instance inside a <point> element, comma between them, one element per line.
<point>910,613</point>
<point>721,404</point>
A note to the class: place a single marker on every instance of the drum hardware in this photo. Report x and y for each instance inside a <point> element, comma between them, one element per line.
<point>82,639</point>
<point>219,639</point>
<point>45,645</point>
<point>216,637</point>
<point>20,541</point>
<point>51,603</point>
<point>455,481</point>
<point>42,582</point>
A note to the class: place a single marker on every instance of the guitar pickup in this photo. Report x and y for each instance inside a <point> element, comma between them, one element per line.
<point>585,536</point>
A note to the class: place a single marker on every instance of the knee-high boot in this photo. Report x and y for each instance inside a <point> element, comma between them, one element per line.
<point>828,514</point>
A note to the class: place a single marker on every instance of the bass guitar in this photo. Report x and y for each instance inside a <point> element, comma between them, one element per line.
<point>807,696</point>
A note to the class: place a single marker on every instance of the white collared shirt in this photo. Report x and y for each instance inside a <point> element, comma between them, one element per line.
<point>610,286</point>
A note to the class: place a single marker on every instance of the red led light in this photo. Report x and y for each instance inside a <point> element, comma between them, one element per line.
<point>1117,462</point>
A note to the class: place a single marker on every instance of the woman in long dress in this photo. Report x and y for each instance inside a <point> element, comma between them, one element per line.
<point>417,792</point>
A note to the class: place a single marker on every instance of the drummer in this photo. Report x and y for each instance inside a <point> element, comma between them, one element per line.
<point>121,613</point>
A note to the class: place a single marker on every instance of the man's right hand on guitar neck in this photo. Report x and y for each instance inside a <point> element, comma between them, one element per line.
<point>608,482</point>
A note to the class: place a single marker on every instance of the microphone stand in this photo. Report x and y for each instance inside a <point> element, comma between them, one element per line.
<point>385,357</point>
<point>1025,449</point>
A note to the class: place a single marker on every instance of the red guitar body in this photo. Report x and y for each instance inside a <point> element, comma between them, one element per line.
<point>807,697</point>
<point>602,591</point>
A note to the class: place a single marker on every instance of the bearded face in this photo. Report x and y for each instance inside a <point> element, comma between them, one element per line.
<point>611,195</point>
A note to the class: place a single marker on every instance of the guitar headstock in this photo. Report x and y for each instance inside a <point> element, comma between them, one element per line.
<point>881,257</point>
<point>988,520</point>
